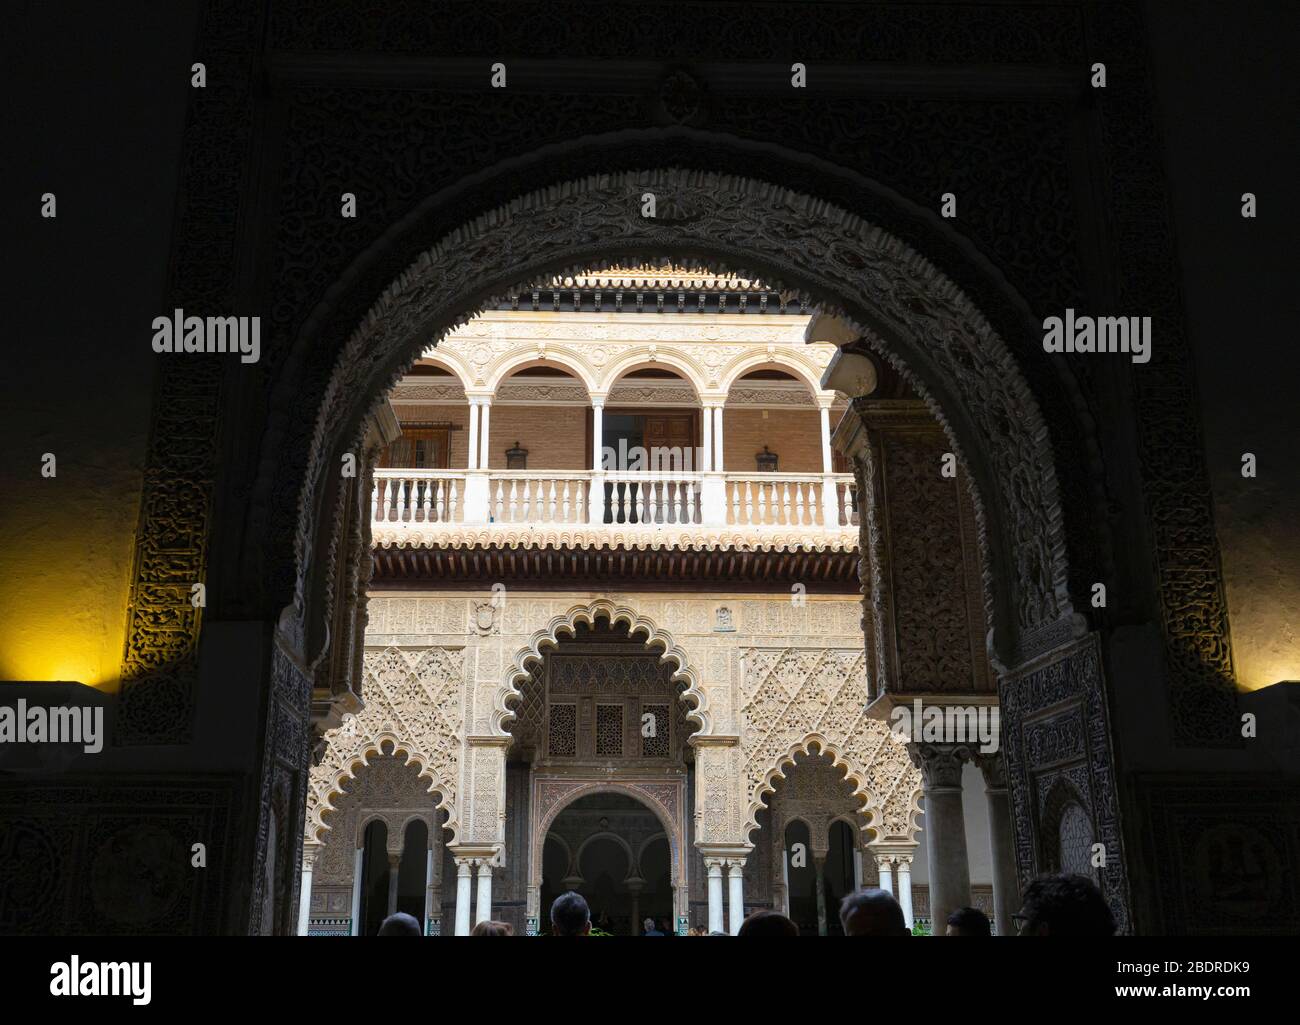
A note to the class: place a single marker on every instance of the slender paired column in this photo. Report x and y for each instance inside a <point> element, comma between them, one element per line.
<point>471,457</point>
<point>819,867</point>
<point>945,827</point>
<point>830,495</point>
<point>736,877</point>
<point>358,864</point>
<point>484,459</point>
<point>463,885</point>
<point>394,873</point>
<point>885,866</point>
<point>905,888</point>
<point>718,449</point>
<point>1002,845</point>
<point>432,894</point>
<point>634,888</point>
<point>596,495</point>
<point>706,459</point>
<point>309,851</point>
<point>714,867</point>
<point>483,911</point>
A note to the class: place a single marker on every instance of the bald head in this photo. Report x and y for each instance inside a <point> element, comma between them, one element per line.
<point>871,912</point>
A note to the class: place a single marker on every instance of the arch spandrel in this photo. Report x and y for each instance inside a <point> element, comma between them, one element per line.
<point>795,700</point>
<point>891,296</point>
<point>412,710</point>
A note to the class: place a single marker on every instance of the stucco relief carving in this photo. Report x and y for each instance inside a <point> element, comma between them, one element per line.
<point>794,700</point>
<point>413,703</point>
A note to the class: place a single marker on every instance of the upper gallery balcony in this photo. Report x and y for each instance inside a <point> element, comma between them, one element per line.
<point>688,423</point>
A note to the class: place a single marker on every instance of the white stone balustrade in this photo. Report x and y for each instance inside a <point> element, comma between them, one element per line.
<point>597,499</point>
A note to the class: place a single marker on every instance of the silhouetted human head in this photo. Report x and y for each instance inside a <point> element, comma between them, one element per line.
<point>493,929</point>
<point>872,912</point>
<point>1064,905</point>
<point>400,924</point>
<point>968,922</point>
<point>570,915</point>
<point>649,925</point>
<point>767,923</point>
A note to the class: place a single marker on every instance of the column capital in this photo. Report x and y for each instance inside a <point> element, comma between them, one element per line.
<point>735,867</point>
<point>712,864</point>
<point>994,769</point>
<point>310,851</point>
<point>940,764</point>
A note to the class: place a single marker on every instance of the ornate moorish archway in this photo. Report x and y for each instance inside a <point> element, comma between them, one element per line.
<point>899,305</point>
<point>904,307</point>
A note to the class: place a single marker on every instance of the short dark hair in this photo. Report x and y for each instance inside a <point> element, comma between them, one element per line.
<point>885,913</point>
<point>1069,905</point>
<point>971,921</point>
<point>767,923</point>
<point>491,928</point>
<point>400,924</point>
<point>569,914</point>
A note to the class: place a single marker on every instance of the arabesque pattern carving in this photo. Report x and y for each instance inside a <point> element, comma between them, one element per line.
<point>796,699</point>
<point>413,703</point>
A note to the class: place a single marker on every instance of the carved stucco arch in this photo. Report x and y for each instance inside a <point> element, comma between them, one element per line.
<point>807,373</point>
<point>871,803</point>
<point>569,360</point>
<point>643,357</point>
<point>697,705</point>
<point>385,744</point>
<point>450,362</point>
<point>894,298</point>
<point>676,839</point>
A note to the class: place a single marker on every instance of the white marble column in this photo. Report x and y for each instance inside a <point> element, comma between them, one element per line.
<point>885,866</point>
<point>706,459</point>
<point>463,884</point>
<point>819,882</point>
<point>736,879</point>
<point>483,910</point>
<point>826,439</point>
<point>471,456</point>
<point>309,851</point>
<point>1002,844</point>
<point>358,865</point>
<point>718,449</point>
<point>596,492</point>
<point>714,867</point>
<point>430,892</point>
<point>945,828</point>
<point>484,459</point>
<point>905,888</point>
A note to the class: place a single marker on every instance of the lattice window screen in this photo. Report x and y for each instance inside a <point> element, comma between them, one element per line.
<point>655,746</point>
<point>609,731</point>
<point>563,740</point>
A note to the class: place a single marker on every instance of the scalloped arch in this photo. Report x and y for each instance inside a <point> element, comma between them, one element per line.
<point>548,637</point>
<point>317,826</point>
<point>871,802</point>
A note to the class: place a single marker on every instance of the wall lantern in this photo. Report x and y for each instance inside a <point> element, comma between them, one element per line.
<point>516,458</point>
<point>766,461</point>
